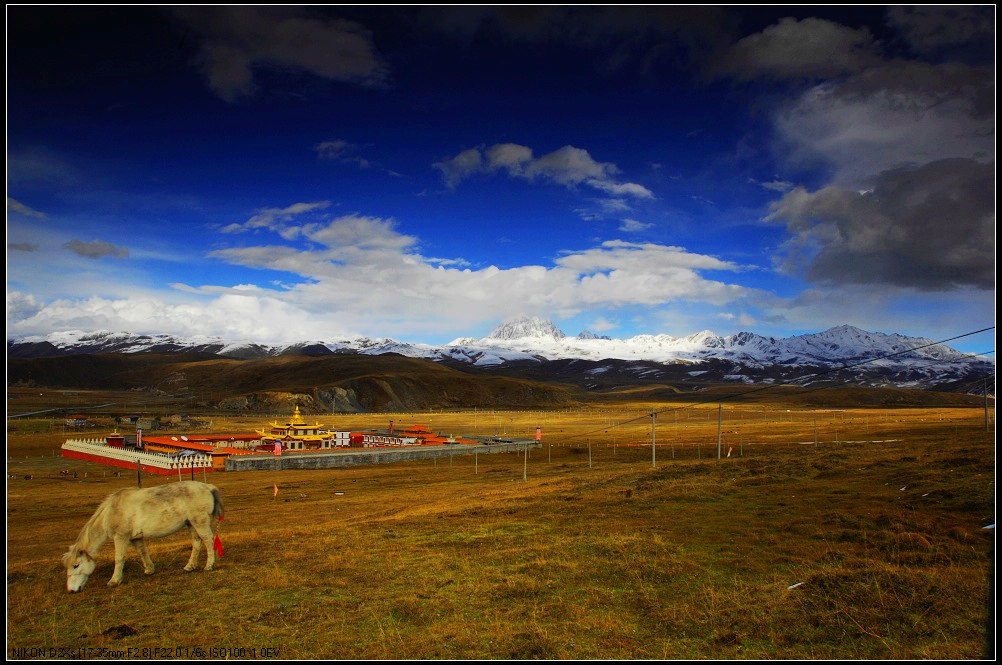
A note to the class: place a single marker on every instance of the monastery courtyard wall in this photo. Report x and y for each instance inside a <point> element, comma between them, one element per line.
<point>367,456</point>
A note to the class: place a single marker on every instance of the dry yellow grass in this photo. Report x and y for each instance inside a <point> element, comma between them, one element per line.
<point>692,559</point>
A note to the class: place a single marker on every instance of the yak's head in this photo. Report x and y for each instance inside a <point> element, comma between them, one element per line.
<point>79,566</point>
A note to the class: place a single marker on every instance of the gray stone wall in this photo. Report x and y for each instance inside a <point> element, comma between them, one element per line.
<point>367,456</point>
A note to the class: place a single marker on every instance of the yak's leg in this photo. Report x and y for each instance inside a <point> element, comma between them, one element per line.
<point>144,554</point>
<point>196,543</point>
<point>204,530</point>
<point>121,549</point>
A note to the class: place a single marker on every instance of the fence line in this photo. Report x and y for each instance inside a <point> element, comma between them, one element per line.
<point>98,448</point>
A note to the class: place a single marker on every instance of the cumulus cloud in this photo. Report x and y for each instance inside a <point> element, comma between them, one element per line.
<point>930,228</point>
<point>231,315</point>
<point>364,275</point>
<point>621,188</point>
<point>650,258</point>
<point>866,112</point>
<point>23,246</point>
<point>237,39</point>
<point>96,249</point>
<point>568,166</point>
<point>510,157</point>
<point>634,226</point>
<point>804,49</point>
<point>16,206</point>
<point>906,146</point>
<point>341,151</point>
<point>21,306</point>
<point>900,113</point>
<point>360,234</point>
<point>460,167</point>
<point>276,219</point>
<point>367,268</point>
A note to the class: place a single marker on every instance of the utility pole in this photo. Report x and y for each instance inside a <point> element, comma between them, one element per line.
<point>986,404</point>
<point>720,416</point>
<point>653,452</point>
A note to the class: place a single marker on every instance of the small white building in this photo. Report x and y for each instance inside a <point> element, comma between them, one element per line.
<point>378,440</point>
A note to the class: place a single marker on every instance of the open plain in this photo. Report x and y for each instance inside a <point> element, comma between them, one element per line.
<point>839,526</point>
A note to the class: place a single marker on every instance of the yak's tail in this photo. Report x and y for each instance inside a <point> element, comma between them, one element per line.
<point>217,504</point>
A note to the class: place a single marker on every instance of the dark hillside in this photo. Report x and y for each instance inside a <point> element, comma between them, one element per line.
<point>334,381</point>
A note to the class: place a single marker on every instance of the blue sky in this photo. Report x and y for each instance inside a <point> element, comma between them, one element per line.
<point>281,174</point>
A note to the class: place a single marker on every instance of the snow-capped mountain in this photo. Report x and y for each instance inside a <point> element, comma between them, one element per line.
<point>526,327</point>
<point>905,361</point>
<point>841,345</point>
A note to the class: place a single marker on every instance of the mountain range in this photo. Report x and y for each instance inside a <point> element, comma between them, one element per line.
<point>534,347</point>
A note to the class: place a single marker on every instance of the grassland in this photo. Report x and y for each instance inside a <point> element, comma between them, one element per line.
<point>597,555</point>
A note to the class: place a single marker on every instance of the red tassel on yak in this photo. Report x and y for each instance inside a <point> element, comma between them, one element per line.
<point>217,544</point>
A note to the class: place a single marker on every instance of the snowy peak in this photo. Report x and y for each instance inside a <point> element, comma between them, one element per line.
<point>707,339</point>
<point>904,361</point>
<point>848,342</point>
<point>526,326</point>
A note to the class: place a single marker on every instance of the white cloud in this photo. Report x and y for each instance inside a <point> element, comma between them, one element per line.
<point>16,206</point>
<point>610,206</point>
<point>365,275</point>
<point>792,49</point>
<point>634,226</point>
<point>869,113</point>
<point>568,166</point>
<point>21,306</point>
<point>341,151</point>
<point>906,147</point>
<point>231,315</point>
<point>901,113</point>
<point>621,188</point>
<point>777,185</point>
<point>510,157</point>
<point>650,257</point>
<point>461,166</point>
<point>357,235</point>
<point>275,218</point>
